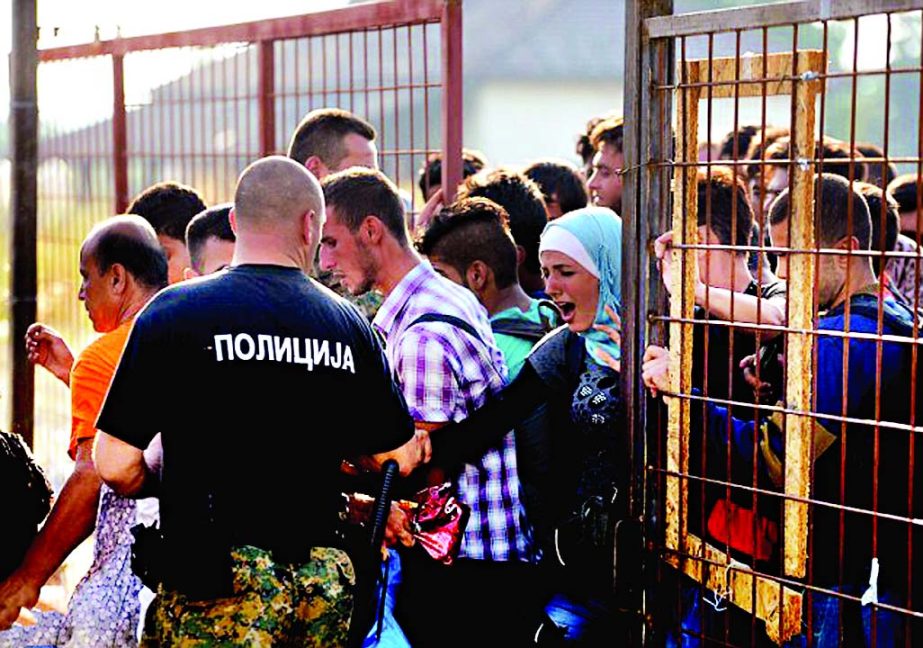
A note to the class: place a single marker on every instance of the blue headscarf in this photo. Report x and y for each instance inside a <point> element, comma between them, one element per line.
<point>599,232</point>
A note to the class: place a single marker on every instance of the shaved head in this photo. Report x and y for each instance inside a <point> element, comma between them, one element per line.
<point>129,241</point>
<point>274,193</point>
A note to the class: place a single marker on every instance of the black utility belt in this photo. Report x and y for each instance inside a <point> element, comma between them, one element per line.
<point>199,566</point>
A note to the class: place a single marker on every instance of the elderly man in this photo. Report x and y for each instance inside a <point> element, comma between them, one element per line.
<point>244,564</point>
<point>122,266</point>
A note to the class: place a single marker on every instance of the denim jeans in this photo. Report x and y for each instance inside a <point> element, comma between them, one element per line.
<point>585,620</point>
<point>699,619</point>
<point>391,634</point>
<point>831,613</point>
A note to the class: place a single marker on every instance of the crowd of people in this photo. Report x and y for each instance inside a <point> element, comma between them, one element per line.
<point>323,331</point>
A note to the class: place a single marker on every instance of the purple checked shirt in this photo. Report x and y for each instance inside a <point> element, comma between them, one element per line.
<point>445,374</point>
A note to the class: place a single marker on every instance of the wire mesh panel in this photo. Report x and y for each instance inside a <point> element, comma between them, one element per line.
<point>199,127</point>
<point>196,107</point>
<point>75,190</point>
<point>782,474</point>
<point>390,75</point>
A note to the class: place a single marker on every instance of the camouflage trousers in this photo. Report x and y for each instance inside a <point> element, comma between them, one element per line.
<point>273,605</point>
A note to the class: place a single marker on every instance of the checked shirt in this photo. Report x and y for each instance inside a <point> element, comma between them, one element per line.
<point>445,374</point>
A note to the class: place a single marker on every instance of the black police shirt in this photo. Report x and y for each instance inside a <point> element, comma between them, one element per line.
<point>261,381</point>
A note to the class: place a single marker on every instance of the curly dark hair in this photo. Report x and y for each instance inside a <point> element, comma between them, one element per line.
<point>27,500</point>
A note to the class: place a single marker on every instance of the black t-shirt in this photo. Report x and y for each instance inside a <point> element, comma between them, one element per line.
<point>261,381</point>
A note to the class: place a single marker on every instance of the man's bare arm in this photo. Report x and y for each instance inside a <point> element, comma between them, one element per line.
<point>411,455</point>
<point>71,521</point>
<point>123,468</point>
<point>46,348</point>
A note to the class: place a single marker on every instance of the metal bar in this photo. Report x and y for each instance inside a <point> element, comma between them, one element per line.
<point>809,622</point>
<point>642,194</point>
<point>843,74</point>
<point>311,75</point>
<point>788,410</point>
<point>339,72</point>
<point>212,99</point>
<point>774,163</point>
<point>780,610</point>
<point>412,141</point>
<point>769,15</point>
<point>451,98</point>
<point>788,329</point>
<point>682,305</point>
<point>639,138</point>
<point>397,107</point>
<point>352,77</point>
<point>266,101</point>
<point>248,82</point>
<point>807,500</point>
<point>425,85</point>
<point>283,80</point>
<point>23,205</point>
<point>119,135</point>
<point>365,73</point>
<point>798,430</point>
<point>334,21</point>
<point>381,94</point>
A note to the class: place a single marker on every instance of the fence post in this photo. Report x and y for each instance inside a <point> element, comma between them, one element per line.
<point>645,212</point>
<point>23,204</point>
<point>452,98</point>
<point>266,64</point>
<point>119,134</point>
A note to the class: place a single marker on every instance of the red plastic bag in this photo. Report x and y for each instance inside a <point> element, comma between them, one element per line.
<point>439,522</point>
<point>733,525</point>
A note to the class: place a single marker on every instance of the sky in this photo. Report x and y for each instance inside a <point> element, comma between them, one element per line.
<point>68,22</point>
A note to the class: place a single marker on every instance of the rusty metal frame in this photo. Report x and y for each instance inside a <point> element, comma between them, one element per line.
<point>24,119</point>
<point>645,205</point>
<point>264,34</point>
<point>770,15</point>
<point>779,607</point>
<point>334,21</point>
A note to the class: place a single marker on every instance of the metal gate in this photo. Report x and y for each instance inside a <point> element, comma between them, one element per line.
<point>850,70</point>
<point>238,94</point>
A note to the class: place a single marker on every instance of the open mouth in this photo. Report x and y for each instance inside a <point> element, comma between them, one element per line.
<point>567,310</point>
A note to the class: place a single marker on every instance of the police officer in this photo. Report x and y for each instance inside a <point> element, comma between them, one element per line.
<point>289,380</point>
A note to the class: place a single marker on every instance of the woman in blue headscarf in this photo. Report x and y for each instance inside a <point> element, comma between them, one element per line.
<point>573,459</point>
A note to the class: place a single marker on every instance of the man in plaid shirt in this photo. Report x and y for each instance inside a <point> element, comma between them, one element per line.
<point>446,370</point>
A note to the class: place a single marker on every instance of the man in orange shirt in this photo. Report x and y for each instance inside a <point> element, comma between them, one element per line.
<point>123,266</point>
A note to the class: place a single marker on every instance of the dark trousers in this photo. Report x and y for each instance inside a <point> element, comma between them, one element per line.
<point>471,603</point>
